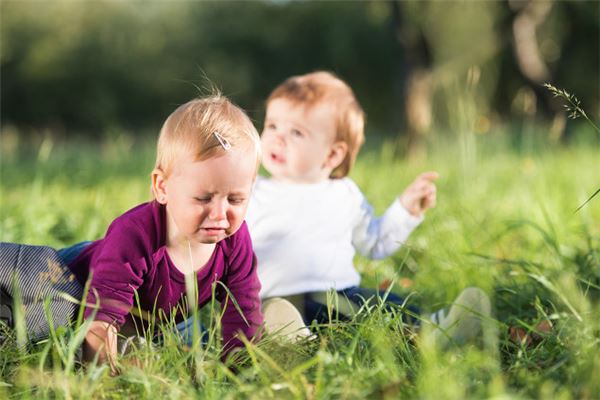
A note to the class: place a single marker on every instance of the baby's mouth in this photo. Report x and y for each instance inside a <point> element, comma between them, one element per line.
<point>277,158</point>
<point>212,230</point>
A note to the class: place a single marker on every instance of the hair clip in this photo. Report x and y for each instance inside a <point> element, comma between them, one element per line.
<point>224,142</point>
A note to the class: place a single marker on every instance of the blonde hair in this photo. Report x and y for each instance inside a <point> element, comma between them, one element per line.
<point>203,127</point>
<point>326,88</point>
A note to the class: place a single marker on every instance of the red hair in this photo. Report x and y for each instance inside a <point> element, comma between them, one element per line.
<point>324,87</point>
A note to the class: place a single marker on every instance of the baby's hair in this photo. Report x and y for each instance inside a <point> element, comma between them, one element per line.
<point>323,87</point>
<point>205,128</point>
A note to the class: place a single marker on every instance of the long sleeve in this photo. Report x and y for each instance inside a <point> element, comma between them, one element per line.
<point>306,235</point>
<point>244,286</point>
<point>378,238</point>
<point>117,271</point>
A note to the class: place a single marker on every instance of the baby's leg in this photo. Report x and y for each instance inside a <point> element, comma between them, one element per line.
<point>325,307</point>
<point>345,304</point>
<point>69,254</point>
<point>186,331</point>
<point>33,274</point>
<point>6,314</point>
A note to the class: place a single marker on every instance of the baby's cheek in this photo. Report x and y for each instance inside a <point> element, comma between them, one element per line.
<point>236,218</point>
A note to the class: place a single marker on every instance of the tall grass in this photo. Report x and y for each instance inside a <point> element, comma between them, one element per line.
<point>505,222</point>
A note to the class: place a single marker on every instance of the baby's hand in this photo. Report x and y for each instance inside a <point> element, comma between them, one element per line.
<point>420,195</point>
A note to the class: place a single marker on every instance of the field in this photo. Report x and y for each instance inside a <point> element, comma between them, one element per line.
<point>505,222</point>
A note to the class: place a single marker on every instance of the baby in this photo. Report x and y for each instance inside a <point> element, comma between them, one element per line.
<point>308,218</point>
<point>207,158</point>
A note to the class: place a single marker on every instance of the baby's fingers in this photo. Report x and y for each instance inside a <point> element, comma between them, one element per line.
<point>424,187</point>
<point>428,201</point>
<point>428,176</point>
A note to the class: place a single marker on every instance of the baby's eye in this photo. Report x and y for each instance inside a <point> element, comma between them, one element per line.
<point>203,199</point>
<point>271,126</point>
<point>297,133</point>
<point>236,200</point>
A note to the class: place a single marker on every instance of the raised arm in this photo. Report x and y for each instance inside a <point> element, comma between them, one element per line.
<point>379,237</point>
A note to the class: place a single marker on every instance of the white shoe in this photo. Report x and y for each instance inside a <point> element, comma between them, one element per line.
<point>465,320</point>
<point>283,320</point>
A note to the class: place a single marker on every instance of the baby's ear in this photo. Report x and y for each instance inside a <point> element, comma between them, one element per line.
<point>337,154</point>
<point>159,181</point>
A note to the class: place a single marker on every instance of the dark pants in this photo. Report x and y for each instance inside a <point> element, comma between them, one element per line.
<point>69,254</point>
<point>39,278</point>
<point>313,306</point>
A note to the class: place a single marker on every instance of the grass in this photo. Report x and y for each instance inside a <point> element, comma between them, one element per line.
<point>505,221</point>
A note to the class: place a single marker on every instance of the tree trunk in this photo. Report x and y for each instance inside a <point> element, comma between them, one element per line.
<point>416,87</point>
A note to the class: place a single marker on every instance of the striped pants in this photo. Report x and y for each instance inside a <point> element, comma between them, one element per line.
<point>47,289</point>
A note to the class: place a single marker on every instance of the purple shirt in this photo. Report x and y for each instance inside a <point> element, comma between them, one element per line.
<point>133,257</point>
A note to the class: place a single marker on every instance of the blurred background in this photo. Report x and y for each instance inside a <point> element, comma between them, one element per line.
<point>96,68</point>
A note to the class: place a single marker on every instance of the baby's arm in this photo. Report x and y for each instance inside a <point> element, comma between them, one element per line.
<point>114,280</point>
<point>380,237</point>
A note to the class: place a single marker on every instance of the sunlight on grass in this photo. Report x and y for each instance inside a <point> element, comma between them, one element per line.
<point>505,222</point>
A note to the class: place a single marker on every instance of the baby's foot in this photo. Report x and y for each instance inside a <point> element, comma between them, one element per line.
<point>283,320</point>
<point>465,320</point>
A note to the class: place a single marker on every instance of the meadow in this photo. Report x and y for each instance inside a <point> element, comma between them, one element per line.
<point>505,221</point>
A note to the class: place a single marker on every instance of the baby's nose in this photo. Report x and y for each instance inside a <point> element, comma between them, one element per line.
<point>218,211</point>
<point>280,138</point>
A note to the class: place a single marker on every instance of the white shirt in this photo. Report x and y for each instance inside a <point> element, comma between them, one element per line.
<point>305,235</point>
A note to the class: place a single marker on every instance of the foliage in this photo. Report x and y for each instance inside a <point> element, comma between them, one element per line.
<point>504,222</point>
<point>81,67</point>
